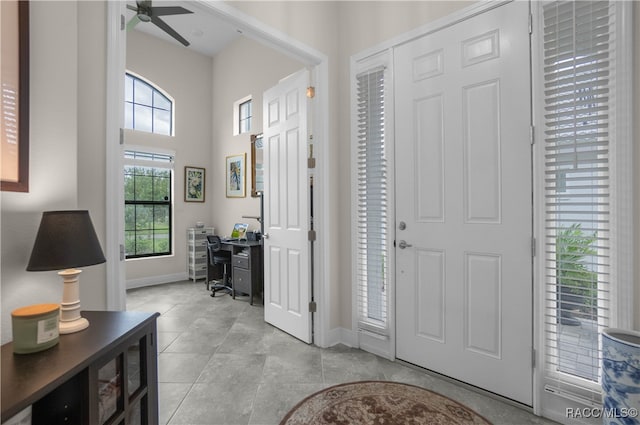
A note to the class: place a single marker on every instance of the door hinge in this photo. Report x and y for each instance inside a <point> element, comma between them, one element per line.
<point>311,161</point>
<point>533,358</point>
<point>311,92</point>
<point>312,235</point>
<point>121,136</point>
<point>530,23</point>
<point>532,134</point>
<point>122,25</point>
<point>533,247</point>
<point>312,307</point>
<point>122,253</point>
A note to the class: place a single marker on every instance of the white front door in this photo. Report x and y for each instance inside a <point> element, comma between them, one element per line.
<point>463,191</point>
<point>286,207</point>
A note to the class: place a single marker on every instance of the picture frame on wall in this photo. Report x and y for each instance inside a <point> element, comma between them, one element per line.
<point>194,182</point>
<point>235,171</point>
<point>14,76</point>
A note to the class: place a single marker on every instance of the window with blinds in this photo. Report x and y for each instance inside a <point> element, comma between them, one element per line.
<point>578,51</point>
<point>148,205</point>
<point>372,245</point>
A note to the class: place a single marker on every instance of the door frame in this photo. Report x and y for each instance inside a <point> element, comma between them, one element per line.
<point>372,343</point>
<point>250,27</point>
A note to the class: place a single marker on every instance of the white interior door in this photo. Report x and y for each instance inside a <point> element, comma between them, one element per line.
<point>463,190</point>
<point>286,207</point>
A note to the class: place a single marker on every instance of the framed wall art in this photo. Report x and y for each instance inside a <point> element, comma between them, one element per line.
<point>235,175</point>
<point>14,108</point>
<point>194,178</point>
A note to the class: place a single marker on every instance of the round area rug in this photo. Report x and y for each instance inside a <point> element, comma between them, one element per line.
<point>380,403</point>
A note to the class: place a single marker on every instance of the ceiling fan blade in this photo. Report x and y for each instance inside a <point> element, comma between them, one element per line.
<point>166,28</point>
<point>169,10</point>
<point>132,22</point>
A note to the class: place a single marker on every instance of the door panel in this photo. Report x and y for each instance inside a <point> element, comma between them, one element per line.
<point>286,199</point>
<point>463,187</point>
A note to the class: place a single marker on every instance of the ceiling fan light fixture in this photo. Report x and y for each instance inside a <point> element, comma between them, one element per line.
<point>145,12</point>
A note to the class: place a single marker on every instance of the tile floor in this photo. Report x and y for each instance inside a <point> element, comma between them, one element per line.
<point>220,363</point>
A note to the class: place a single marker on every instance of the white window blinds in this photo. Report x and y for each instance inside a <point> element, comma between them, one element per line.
<point>578,55</point>
<point>371,245</point>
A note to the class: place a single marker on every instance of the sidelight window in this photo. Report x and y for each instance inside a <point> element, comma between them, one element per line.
<point>371,206</point>
<point>585,197</point>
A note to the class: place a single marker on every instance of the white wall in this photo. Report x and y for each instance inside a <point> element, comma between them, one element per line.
<point>186,76</point>
<point>243,68</point>
<point>53,158</point>
<point>92,105</point>
<point>204,91</point>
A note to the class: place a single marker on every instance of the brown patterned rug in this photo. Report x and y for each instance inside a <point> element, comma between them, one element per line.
<point>380,403</point>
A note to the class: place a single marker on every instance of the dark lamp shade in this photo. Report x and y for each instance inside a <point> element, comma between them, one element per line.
<point>65,240</point>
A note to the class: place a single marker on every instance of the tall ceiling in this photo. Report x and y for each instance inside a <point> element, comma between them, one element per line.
<point>208,34</point>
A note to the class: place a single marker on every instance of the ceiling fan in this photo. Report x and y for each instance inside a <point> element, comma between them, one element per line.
<point>147,13</point>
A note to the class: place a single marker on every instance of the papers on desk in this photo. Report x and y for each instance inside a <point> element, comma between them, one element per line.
<point>243,253</point>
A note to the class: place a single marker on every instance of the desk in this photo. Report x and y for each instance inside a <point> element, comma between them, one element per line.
<point>246,270</point>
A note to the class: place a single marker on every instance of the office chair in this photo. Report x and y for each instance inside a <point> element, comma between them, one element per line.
<point>216,257</point>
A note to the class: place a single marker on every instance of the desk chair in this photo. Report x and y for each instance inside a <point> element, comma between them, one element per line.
<point>216,257</point>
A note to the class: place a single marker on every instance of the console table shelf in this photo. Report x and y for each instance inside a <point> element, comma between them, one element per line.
<point>105,374</point>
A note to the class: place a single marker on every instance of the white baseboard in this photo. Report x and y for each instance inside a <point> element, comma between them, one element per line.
<point>156,280</point>
<point>376,344</point>
<point>342,336</point>
<point>557,408</point>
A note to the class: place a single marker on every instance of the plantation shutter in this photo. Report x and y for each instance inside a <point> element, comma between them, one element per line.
<point>372,251</point>
<point>578,48</point>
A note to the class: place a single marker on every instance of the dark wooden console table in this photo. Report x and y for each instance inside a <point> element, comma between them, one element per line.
<point>105,374</point>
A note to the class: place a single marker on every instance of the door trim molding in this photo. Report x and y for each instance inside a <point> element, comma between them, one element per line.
<point>257,30</point>
<point>114,185</point>
<point>431,27</point>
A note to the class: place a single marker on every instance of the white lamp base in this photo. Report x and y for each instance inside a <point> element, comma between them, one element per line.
<point>70,319</point>
<point>73,326</point>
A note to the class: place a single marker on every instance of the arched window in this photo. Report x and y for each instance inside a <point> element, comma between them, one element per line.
<point>146,107</point>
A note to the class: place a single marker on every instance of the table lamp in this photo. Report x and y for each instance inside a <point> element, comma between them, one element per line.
<point>65,240</point>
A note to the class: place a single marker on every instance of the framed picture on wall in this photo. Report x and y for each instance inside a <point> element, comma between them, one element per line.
<point>194,184</point>
<point>235,175</point>
<point>14,109</point>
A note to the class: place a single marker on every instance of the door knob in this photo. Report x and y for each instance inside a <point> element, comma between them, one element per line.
<point>403,245</point>
<point>266,236</point>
